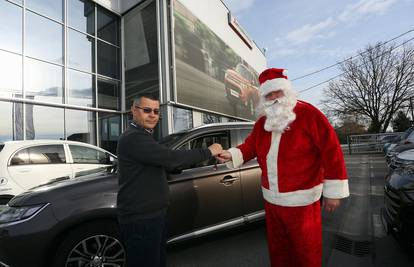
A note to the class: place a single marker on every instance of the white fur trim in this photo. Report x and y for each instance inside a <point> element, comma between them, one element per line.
<point>335,188</point>
<point>295,198</point>
<point>271,161</point>
<point>273,85</point>
<point>237,158</point>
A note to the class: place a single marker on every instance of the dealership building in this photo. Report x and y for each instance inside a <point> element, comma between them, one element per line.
<point>70,69</point>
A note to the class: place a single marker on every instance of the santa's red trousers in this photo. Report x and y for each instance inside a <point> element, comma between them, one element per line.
<point>294,235</point>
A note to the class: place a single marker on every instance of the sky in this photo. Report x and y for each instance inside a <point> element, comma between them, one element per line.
<point>305,36</point>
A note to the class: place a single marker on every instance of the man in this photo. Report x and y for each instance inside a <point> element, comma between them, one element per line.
<point>143,189</point>
<point>300,157</point>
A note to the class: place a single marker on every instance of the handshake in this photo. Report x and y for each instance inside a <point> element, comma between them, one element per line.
<point>219,153</point>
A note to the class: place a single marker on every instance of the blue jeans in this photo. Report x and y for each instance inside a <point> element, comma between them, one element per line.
<point>145,242</point>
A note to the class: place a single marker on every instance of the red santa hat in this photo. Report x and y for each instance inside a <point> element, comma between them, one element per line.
<point>273,79</point>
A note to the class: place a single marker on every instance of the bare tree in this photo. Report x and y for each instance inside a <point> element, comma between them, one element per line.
<point>374,85</point>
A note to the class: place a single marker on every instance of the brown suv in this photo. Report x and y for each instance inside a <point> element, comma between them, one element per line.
<point>241,87</point>
<point>73,222</point>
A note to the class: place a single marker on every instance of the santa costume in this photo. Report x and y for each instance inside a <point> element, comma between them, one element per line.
<point>301,159</point>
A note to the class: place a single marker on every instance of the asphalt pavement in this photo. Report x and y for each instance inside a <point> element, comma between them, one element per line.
<point>352,236</point>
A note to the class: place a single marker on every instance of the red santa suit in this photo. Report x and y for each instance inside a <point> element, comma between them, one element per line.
<point>298,165</point>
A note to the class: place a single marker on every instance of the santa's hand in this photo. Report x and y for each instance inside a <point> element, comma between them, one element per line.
<point>224,156</point>
<point>330,204</point>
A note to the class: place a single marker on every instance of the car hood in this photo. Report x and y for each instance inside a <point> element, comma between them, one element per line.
<point>100,182</point>
<point>406,155</point>
<point>402,179</point>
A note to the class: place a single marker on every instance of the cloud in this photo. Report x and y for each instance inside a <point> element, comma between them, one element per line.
<point>308,32</point>
<point>237,6</point>
<point>364,8</point>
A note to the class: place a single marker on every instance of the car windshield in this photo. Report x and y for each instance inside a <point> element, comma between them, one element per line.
<point>169,140</point>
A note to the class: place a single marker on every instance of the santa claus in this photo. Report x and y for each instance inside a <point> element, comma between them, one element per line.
<point>301,159</point>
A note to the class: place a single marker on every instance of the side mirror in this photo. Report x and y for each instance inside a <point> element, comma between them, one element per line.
<point>113,160</point>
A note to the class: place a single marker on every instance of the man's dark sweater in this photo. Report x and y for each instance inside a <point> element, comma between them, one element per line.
<point>143,187</point>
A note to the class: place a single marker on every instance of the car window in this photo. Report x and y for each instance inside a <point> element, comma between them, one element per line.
<point>44,154</point>
<point>1,147</point>
<point>20,158</point>
<point>204,142</point>
<point>87,155</point>
<point>242,134</point>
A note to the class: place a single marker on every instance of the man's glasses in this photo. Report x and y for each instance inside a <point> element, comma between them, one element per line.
<point>149,110</point>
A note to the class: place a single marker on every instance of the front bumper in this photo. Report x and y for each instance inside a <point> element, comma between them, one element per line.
<point>26,243</point>
<point>398,216</point>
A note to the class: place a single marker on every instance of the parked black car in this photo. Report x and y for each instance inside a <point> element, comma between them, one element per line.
<point>73,222</point>
<point>392,157</point>
<point>398,212</point>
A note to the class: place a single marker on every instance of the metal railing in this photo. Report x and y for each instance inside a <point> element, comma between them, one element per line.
<point>369,143</point>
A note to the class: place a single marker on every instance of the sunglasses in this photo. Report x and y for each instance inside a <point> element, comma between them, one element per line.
<point>149,110</point>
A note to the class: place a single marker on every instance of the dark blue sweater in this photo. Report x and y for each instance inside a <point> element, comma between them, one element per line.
<point>142,162</point>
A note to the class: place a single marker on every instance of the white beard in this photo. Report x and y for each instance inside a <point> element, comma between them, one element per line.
<point>279,114</point>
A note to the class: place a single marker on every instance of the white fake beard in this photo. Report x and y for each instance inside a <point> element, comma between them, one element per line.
<point>279,113</point>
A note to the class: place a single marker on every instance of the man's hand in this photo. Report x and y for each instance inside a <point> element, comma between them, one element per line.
<point>215,149</point>
<point>330,204</point>
<point>224,156</point>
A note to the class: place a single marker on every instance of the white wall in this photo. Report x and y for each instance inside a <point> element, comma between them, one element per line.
<point>214,14</point>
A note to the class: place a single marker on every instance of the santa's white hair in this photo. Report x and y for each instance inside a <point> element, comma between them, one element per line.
<point>279,113</point>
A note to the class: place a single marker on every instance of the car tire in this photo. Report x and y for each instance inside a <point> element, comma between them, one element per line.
<point>91,244</point>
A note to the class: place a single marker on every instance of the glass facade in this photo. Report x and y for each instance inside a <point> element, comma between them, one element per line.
<point>62,74</point>
<point>11,117</point>
<point>63,58</point>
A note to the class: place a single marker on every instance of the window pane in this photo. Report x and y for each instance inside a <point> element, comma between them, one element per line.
<point>80,126</point>
<point>141,52</point>
<point>20,158</point>
<point>44,38</point>
<point>81,89</point>
<point>49,8</point>
<point>108,61</point>
<point>82,154</point>
<point>210,118</point>
<point>108,26</point>
<point>48,154</point>
<point>20,2</point>
<point>81,52</point>
<point>43,81</point>
<point>10,75</point>
<point>44,122</point>
<point>11,117</point>
<point>10,27</point>
<point>183,119</point>
<point>109,130</point>
<point>81,15</point>
<point>108,94</point>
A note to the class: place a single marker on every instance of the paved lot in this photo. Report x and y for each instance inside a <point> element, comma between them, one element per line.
<point>353,235</point>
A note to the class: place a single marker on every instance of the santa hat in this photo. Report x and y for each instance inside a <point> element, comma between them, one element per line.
<point>272,80</point>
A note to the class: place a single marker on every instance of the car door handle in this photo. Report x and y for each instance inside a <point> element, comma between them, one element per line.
<point>228,179</point>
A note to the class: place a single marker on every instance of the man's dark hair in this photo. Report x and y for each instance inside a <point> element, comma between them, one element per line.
<point>151,96</point>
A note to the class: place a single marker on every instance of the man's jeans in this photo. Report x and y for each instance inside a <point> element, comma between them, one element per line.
<point>145,242</point>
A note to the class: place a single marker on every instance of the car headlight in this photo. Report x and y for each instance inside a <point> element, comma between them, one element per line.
<point>12,214</point>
